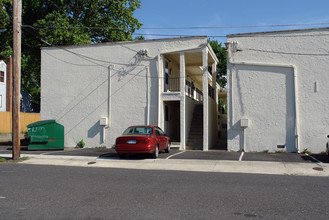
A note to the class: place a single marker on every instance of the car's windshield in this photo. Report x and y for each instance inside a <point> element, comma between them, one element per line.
<point>138,130</point>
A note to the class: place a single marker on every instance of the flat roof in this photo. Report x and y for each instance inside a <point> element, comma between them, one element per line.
<point>274,32</point>
<point>127,42</point>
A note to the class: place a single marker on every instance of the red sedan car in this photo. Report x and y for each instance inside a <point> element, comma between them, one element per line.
<point>142,139</point>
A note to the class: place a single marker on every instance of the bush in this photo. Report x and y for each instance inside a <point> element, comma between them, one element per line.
<point>81,144</point>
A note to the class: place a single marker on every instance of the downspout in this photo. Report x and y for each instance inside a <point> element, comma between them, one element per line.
<point>110,67</point>
<point>230,61</point>
<point>148,94</point>
<point>105,122</point>
<point>160,90</point>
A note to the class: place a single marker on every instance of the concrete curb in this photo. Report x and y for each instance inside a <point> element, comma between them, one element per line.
<point>227,166</point>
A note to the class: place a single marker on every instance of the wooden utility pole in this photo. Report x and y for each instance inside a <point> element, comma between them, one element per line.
<point>17,32</point>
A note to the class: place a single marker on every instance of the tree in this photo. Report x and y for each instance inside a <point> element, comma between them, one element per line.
<point>64,22</point>
<point>221,65</point>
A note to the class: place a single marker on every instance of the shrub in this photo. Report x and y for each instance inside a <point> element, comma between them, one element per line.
<point>81,144</point>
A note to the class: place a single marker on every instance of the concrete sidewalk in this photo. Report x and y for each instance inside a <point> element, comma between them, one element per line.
<point>229,166</point>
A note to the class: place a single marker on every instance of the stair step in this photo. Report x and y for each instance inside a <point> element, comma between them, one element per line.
<point>195,138</point>
<point>194,147</point>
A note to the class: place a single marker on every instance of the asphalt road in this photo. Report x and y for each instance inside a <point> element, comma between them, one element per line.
<point>176,154</point>
<point>57,192</point>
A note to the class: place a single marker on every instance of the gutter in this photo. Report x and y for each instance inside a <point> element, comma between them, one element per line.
<point>230,61</point>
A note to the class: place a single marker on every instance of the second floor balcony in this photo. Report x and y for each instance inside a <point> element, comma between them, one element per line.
<point>192,69</point>
<point>172,84</point>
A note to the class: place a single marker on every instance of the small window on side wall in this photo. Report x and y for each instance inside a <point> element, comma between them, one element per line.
<point>2,76</point>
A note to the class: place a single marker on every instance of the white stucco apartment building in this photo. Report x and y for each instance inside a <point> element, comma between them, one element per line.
<point>97,91</point>
<point>278,90</point>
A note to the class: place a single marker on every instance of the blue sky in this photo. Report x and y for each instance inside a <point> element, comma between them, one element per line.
<point>228,13</point>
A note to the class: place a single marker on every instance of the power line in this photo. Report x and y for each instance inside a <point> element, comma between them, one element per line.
<point>189,35</point>
<point>256,34</point>
<point>88,58</point>
<point>230,27</point>
<point>288,53</point>
<point>90,28</point>
<point>181,28</point>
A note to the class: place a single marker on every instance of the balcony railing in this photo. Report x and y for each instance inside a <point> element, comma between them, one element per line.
<point>172,84</point>
<point>199,94</point>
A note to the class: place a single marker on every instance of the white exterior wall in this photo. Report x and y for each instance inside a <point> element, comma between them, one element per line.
<point>265,94</point>
<point>3,92</point>
<point>77,90</point>
<point>213,123</point>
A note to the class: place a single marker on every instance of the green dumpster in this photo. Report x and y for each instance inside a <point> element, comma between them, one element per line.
<point>46,135</point>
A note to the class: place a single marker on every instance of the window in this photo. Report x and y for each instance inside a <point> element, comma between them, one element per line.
<point>2,76</point>
<point>211,91</point>
<point>0,101</point>
<point>157,132</point>
<point>138,130</point>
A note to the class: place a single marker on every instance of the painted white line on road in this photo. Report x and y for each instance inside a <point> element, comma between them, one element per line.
<point>240,158</point>
<point>313,158</point>
<point>46,153</point>
<point>2,197</point>
<point>175,155</point>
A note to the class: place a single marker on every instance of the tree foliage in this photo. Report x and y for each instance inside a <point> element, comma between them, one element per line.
<point>222,65</point>
<point>64,22</point>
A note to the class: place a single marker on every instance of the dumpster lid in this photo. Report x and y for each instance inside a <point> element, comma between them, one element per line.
<point>38,123</point>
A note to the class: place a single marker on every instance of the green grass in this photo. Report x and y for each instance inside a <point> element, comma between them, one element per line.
<point>4,160</point>
<point>306,151</point>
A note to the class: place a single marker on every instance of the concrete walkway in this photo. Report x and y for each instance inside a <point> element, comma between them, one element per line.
<point>252,167</point>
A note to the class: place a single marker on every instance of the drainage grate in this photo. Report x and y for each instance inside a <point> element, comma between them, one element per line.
<point>91,163</point>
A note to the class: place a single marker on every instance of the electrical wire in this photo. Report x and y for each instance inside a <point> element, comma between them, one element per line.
<point>88,58</point>
<point>89,28</point>
<point>287,53</point>
<point>255,34</point>
<point>181,28</point>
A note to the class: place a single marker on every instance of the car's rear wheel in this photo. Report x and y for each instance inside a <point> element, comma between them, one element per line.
<point>155,154</point>
<point>168,147</point>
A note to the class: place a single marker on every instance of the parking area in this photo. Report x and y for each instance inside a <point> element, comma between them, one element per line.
<point>105,153</point>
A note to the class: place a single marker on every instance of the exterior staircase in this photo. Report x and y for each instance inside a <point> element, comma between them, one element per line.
<point>195,137</point>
